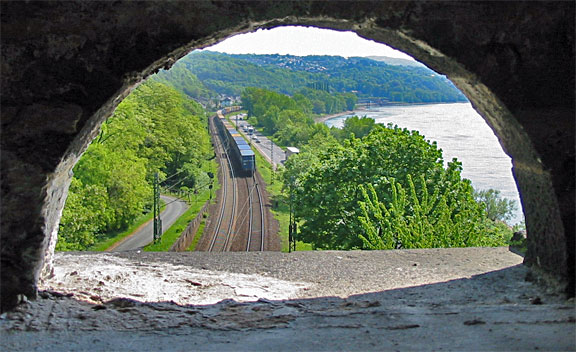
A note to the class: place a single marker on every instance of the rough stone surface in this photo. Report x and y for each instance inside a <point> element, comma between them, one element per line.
<point>66,65</point>
<point>438,299</point>
<point>211,277</point>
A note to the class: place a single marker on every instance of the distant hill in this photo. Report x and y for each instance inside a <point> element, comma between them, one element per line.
<point>202,72</point>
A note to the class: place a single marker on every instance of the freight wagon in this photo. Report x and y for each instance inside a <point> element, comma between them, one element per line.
<point>240,153</point>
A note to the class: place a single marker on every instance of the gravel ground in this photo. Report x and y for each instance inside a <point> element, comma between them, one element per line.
<point>449,299</point>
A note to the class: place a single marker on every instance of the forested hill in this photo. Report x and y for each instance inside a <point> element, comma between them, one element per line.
<point>202,72</point>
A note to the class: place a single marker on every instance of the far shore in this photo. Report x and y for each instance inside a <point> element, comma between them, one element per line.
<point>322,119</point>
<point>328,117</point>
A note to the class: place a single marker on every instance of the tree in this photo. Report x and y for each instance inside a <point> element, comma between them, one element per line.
<point>86,214</point>
<point>289,119</point>
<point>354,126</point>
<point>423,220</point>
<point>230,74</point>
<point>351,100</point>
<point>496,207</point>
<point>391,169</point>
<point>155,129</point>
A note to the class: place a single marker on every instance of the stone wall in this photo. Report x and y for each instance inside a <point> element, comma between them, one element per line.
<point>66,65</point>
<point>187,236</point>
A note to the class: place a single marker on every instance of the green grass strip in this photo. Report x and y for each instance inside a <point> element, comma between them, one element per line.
<point>199,234</point>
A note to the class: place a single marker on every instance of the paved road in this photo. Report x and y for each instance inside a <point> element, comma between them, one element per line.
<point>144,235</point>
<point>266,146</point>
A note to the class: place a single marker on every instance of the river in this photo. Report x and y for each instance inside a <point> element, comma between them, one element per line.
<point>461,133</point>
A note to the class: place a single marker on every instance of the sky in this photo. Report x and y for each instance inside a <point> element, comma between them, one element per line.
<point>302,41</point>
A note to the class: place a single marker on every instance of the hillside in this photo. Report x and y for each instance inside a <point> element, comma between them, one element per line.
<point>202,72</point>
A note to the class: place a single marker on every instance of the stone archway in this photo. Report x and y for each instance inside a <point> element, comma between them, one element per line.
<point>66,65</point>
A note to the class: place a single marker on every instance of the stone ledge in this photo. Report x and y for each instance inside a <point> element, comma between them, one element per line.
<point>429,299</point>
<point>314,274</point>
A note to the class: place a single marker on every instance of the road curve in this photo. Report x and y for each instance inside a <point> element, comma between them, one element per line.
<point>144,234</point>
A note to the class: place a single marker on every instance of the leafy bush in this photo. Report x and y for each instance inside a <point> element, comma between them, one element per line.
<point>424,221</point>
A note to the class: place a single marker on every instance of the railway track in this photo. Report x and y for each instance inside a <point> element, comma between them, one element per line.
<point>239,223</point>
<point>257,226</point>
<point>224,226</point>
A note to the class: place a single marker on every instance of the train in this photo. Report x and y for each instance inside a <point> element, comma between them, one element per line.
<point>241,155</point>
<point>230,109</point>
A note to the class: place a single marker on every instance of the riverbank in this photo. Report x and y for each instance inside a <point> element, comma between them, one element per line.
<point>321,119</point>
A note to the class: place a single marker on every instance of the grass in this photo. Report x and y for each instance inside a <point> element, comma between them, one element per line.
<point>173,233</point>
<point>115,237</point>
<point>198,236</point>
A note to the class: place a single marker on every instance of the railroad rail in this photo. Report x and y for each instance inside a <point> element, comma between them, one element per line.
<point>221,237</point>
<point>257,225</point>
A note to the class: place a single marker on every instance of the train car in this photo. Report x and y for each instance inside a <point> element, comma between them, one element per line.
<point>241,155</point>
<point>230,109</point>
<point>248,163</point>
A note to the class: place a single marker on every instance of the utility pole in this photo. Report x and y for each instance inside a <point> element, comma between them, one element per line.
<point>290,234</point>
<point>294,233</point>
<point>272,161</point>
<point>211,175</point>
<point>292,222</point>
<point>156,206</point>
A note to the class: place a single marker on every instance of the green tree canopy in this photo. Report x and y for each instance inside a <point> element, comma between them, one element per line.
<point>289,119</point>
<point>155,129</point>
<point>354,127</point>
<point>364,192</point>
